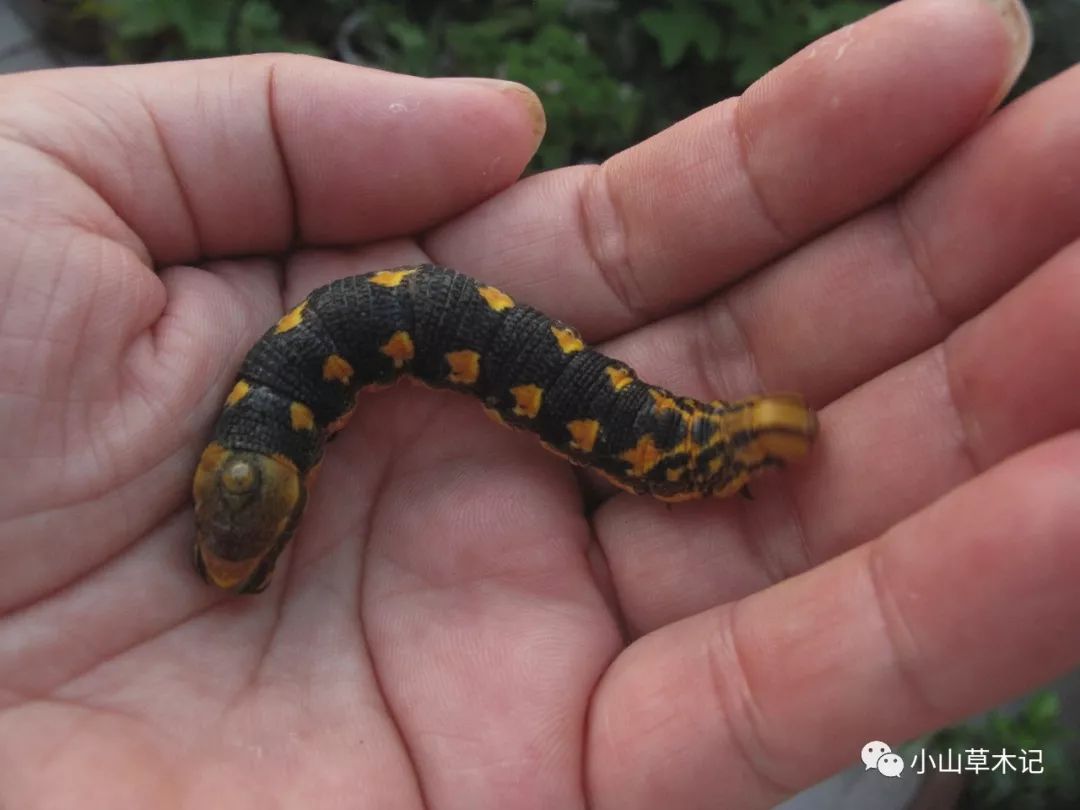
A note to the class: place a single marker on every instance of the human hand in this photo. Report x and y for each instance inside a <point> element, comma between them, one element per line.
<point>450,628</point>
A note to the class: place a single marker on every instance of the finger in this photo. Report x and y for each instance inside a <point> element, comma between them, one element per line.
<point>248,154</point>
<point>998,384</point>
<point>894,281</point>
<point>952,611</point>
<point>838,127</point>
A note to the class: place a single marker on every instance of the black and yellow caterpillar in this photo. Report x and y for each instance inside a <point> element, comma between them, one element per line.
<point>297,386</point>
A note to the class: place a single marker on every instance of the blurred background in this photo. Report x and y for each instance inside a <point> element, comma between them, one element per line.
<point>610,74</point>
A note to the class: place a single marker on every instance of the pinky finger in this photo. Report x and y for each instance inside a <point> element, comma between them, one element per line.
<point>967,603</point>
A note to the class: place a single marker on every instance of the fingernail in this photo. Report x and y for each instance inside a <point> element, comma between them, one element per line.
<point>1018,25</point>
<point>523,94</point>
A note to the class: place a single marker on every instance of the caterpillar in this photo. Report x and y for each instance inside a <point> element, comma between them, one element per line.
<point>298,384</point>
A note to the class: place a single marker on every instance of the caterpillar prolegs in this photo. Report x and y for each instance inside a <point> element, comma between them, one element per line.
<point>298,383</point>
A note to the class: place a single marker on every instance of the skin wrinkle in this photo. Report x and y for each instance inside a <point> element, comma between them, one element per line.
<point>104,122</point>
<point>67,170</point>
<point>83,706</point>
<point>608,588</point>
<point>120,651</point>
<point>613,266</point>
<point>214,391</point>
<point>32,339</point>
<point>251,689</point>
<point>180,500</point>
<point>80,421</point>
<point>716,384</point>
<point>65,361</point>
<point>738,703</point>
<point>794,520</point>
<point>181,191</point>
<point>211,394</point>
<point>965,441</point>
<point>378,493</point>
<point>286,169</point>
<point>17,268</point>
<point>130,386</point>
<point>756,195</point>
<point>86,701</point>
<point>761,544</point>
<point>151,296</point>
<point>920,262</point>
<point>898,634</point>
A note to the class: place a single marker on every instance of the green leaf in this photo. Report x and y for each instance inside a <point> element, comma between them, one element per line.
<point>676,30</point>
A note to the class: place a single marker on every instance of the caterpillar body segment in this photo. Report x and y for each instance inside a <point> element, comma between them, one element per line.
<point>299,382</point>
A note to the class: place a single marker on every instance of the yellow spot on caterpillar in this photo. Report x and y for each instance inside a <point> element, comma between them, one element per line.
<point>528,399</point>
<point>495,416</point>
<point>464,366</point>
<point>496,299</point>
<point>663,401</point>
<point>239,391</point>
<point>569,341</point>
<point>674,473</point>
<point>584,433</point>
<point>643,457</point>
<point>301,417</point>
<point>292,318</point>
<point>337,368</point>
<point>619,376</point>
<point>390,278</point>
<point>399,348</point>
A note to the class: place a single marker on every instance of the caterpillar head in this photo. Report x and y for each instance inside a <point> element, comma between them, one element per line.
<point>246,508</point>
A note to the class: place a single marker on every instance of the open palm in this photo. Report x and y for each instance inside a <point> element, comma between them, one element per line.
<point>452,628</point>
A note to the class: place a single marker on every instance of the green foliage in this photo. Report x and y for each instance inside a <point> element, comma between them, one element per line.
<point>1035,727</point>
<point>750,37</point>
<point>592,109</point>
<point>163,29</point>
<point>609,73</point>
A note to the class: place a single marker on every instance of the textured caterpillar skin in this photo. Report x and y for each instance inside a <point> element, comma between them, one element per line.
<point>298,384</point>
